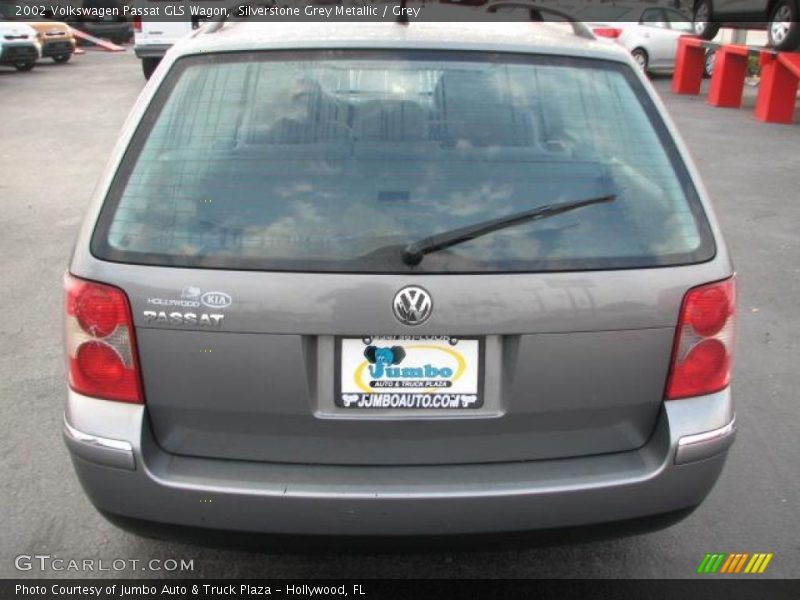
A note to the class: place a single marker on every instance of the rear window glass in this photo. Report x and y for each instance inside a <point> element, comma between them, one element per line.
<point>334,161</point>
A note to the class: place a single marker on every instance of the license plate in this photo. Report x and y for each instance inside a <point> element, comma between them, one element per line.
<point>419,373</point>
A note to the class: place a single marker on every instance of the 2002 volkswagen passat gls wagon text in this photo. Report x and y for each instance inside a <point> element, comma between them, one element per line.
<point>383,279</point>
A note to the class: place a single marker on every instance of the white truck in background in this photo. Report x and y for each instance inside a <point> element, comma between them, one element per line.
<point>152,39</point>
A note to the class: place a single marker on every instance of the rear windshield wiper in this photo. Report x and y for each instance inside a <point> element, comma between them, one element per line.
<point>414,252</point>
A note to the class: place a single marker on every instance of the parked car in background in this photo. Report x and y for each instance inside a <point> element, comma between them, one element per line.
<point>19,45</point>
<point>650,33</point>
<point>56,39</point>
<point>368,278</point>
<point>116,29</point>
<point>152,39</point>
<point>779,17</point>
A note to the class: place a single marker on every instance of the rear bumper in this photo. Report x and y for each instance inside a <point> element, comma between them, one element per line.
<point>151,50</point>
<point>57,48</point>
<point>11,54</point>
<point>125,473</point>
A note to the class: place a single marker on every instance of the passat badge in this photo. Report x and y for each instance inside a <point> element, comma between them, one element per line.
<point>412,305</point>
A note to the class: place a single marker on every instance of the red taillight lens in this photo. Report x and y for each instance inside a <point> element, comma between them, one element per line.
<point>137,24</point>
<point>99,311</point>
<point>709,310</point>
<point>703,352</point>
<point>101,350</point>
<point>607,32</point>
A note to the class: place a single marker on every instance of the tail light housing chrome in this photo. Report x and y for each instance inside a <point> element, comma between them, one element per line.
<point>702,355</point>
<point>100,344</point>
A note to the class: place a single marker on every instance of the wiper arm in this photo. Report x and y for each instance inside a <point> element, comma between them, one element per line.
<point>414,252</point>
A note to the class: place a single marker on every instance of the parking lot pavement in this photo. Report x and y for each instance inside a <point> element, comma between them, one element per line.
<point>58,125</point>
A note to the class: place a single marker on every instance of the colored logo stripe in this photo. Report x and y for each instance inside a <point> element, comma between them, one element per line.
<point>720,562</point>
<point>758,563</point>
<point>734,563</point>
<point>710,563</point>
<point>727,566</point>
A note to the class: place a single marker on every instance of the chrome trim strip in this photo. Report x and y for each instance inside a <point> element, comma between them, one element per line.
<point>708,436</point>
<point>706,444</point>
<point>104,451</point>
<point>95,440</point>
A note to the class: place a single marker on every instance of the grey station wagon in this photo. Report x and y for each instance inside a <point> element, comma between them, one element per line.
<point>391,279</point>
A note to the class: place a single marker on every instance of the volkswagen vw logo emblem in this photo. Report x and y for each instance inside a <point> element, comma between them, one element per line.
<point>412,305</point>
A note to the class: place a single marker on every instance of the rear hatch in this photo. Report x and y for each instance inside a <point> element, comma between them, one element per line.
<point>259,220</point>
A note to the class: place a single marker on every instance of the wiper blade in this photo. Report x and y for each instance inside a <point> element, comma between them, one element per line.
<point>414,252</point>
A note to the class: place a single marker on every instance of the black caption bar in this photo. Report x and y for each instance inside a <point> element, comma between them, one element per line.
<point>401,11</point>
<point>133,589</point>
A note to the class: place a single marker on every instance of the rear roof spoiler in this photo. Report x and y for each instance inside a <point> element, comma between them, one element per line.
<point>537,11</point>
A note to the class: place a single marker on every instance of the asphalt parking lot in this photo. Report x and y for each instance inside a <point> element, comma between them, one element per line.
<point>57,126</point>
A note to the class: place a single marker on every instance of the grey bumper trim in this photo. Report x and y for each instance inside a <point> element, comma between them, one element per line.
<point>151,50</point>
<point>358,500</point>
<point>704,445</point>
<point>100,450</point>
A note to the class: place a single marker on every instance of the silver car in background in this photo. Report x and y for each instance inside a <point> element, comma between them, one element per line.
<point>374,278</point>
<point>649,33</point>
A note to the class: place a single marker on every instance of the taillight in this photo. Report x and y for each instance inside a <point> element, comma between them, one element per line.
<point>137,24</point>
<point>703,353</point>
<point>101,350</point>
<point>607,32</point>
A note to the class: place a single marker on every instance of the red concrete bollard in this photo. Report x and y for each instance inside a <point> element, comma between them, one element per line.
<point>689,61</point>
<point>727,81</point>
<point>777,92</point>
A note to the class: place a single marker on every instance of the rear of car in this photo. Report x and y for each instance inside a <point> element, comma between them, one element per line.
<point>20,46</point>
<point>313,294</point>
<point>56,39</point>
